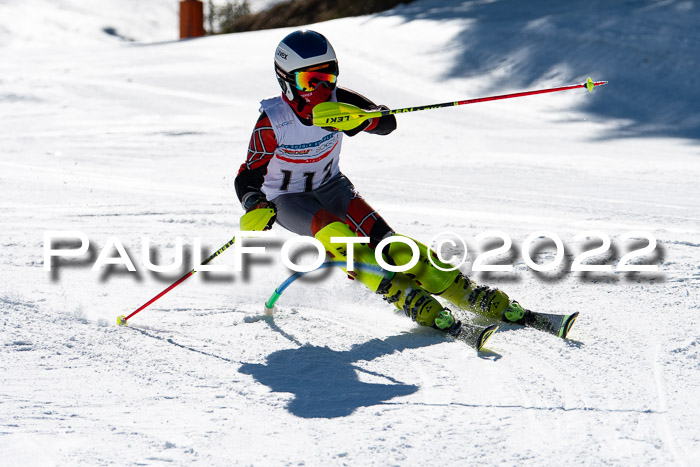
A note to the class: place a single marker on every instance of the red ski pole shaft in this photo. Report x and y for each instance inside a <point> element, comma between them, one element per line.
<point>121,320</point>
<point>590,84</point>
<point>526,93</point>
<point>171,287</point>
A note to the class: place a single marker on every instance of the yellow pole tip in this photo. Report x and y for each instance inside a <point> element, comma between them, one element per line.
<point>121,320</point>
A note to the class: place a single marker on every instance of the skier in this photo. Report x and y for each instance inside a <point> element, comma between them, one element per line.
<point>292,168</point>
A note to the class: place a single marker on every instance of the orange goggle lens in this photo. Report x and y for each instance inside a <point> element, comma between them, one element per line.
<point>310,80</point>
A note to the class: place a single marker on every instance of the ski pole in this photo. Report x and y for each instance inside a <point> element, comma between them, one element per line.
<point>270,303</point>
<point>258,219</point>
<point>121,320</point>
<point>346,116</point>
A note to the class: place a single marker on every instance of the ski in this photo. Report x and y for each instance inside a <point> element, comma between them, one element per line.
<point>559,325</point>
<point>473,335</point>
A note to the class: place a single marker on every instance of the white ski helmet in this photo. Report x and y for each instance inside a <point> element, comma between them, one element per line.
<point>303,60</point>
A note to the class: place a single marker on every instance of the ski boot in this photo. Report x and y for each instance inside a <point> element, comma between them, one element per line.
<point>483,300</point>
<point>495,304</point>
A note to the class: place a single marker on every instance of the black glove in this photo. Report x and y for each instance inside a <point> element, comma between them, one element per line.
<point>255,200</point>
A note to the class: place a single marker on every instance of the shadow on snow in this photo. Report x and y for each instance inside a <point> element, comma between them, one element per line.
<point>647,50</point>
<point>325,382</point>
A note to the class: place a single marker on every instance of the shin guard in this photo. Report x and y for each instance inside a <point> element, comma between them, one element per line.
<point>397,288</point>
<point>362,254</point>
<point>431,278</point>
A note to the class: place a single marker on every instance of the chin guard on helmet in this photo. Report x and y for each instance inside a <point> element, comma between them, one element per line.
<point>288,90</point>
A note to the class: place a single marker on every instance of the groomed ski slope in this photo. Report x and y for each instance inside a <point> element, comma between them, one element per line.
<point>125,139</point>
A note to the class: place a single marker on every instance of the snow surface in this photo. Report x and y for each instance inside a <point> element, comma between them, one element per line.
<point>130,139</point>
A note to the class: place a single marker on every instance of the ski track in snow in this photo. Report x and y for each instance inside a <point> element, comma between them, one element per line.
<point>144,139</point>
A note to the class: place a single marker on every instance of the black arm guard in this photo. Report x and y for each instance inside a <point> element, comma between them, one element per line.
<point>249,181</point>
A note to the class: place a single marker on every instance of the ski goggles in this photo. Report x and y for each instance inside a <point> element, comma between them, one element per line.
<point>311,78</point>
